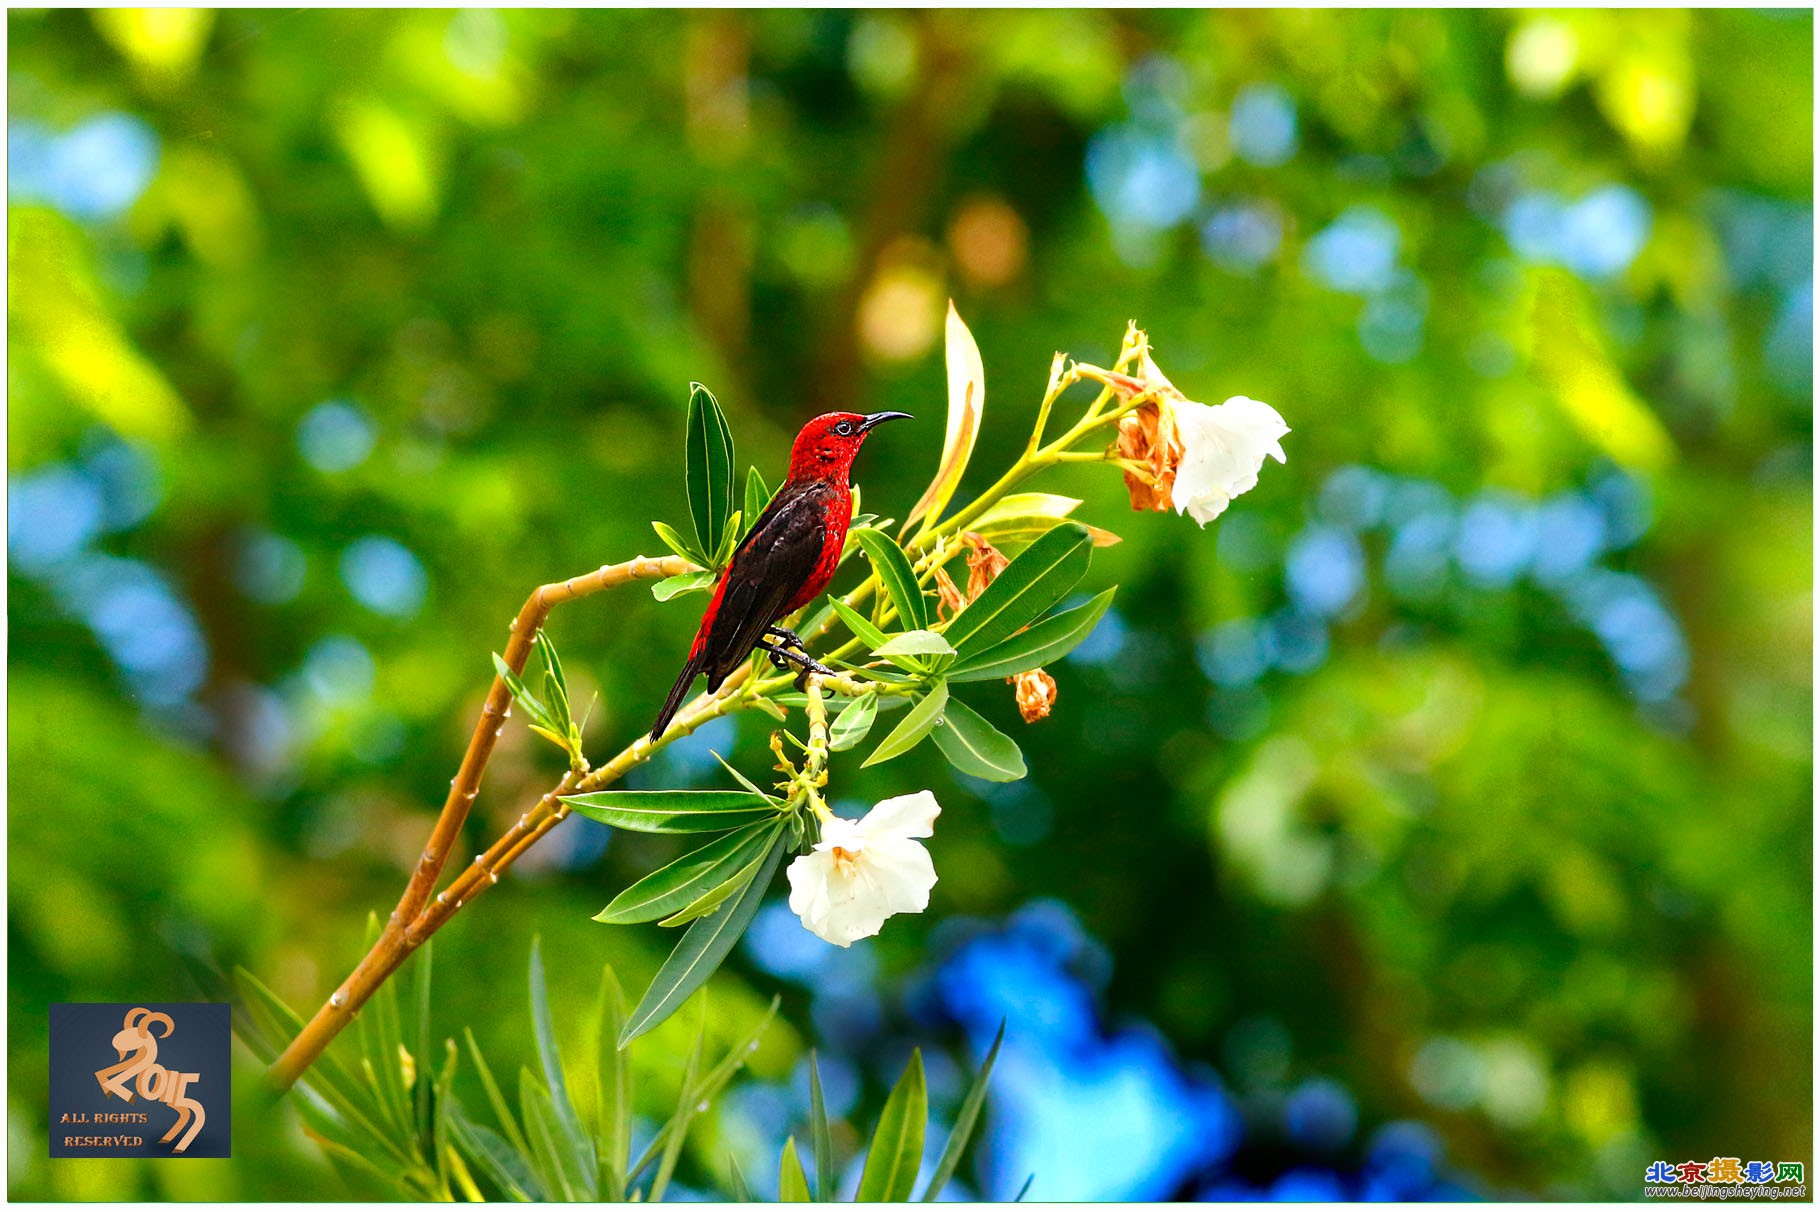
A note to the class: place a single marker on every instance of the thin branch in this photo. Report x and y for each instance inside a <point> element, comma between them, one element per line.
<point>394,943</point>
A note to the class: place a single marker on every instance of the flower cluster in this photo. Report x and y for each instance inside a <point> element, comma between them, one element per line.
<point>1192,456</point>
<point>1176,453</point>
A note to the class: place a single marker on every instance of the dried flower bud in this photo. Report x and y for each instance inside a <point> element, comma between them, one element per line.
<point>984,562</point>
<point>949,600</point>
<point>1148,436</point>
<point>1035,694</point>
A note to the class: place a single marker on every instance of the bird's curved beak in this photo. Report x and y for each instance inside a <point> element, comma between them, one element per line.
<point>878,418</point>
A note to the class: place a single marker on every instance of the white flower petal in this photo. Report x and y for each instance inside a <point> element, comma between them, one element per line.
<point>864,871</point>
<point>1223,448</point>
<point>905,815</point>
<point>905,873</point>
<point>842,833</point>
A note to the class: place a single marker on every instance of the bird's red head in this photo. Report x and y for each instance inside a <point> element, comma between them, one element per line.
<point>826,446</point>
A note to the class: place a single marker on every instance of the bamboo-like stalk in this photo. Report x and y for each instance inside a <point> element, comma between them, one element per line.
<point>410,924</point>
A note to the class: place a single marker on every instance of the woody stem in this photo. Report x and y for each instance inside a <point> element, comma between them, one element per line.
<point>394,943</point>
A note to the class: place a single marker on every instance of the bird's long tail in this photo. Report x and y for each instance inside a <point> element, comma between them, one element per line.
<point>678,692</point>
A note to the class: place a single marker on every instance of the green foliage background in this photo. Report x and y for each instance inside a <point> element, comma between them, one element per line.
<point>513,239</point>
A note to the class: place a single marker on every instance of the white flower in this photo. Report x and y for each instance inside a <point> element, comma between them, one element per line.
<point>1222,448</point>
<point>866,870</point>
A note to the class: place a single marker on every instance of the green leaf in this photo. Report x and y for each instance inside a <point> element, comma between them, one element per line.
<point>1020,505</point>
<point>679,545</point>
<point>672,810</point>
<point>700,951</point>
<point>966,407</point>
<point>852,723</point>
<point>743,780</point>
<point>613,1085</point>
<point>546,651</point>
<point>689,581</point>
<point>729,540</point>
<point>757,496</point>
<point>496,1158</point>
<point>420,984</point>
<point>1024,1188</point>
<point>676,1130</point>
<point>526,701</point>
<point>328,1078</point>
<point>914,642</point>
<point>821,1139</point>
<point>556,1166</point>
<point>915,725</point>
<point>688,878</point>
<point>736,1182</point>
<point>896,1155</point>
<point>1044,643</point>
<point>964,1122</point>
<point>708,1087</point>
<point>894,572</point>
<point>862,629</point>
<point>496,1098</point>
<point>382,1040</point>
<point>571,1137</point>
<point>708,463</point>
<point>1033,582</point>
<point>975,746</point>
<point>792,1182</point>
<point>715,896</point>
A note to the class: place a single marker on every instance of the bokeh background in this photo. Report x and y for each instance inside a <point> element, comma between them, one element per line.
<point>1437,823</point>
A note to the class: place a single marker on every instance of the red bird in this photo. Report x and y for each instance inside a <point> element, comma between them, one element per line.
<point>785,561</point>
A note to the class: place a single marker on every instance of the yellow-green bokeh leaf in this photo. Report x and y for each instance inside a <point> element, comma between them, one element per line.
<point>162,44</point>
<point>55,306</point>
<point>1572,361</point>
<point>393,160</point>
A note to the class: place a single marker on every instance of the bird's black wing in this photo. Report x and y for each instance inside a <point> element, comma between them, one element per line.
<point>771,565</point>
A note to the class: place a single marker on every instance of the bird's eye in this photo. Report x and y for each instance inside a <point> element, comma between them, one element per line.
<point>844,428</point>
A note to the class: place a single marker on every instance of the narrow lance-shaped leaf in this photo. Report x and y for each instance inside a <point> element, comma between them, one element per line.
<point>571,1137</point>
<point>792,1182</point>
<point>895,573</point>
<point>526,701</point>
<point>964,1122</point>
<point>708,462</point>
<point>557,1165</point>
<point>918,723</point>
<point>1044,643</point>
<point>688,878</point>
<point>700,952</point>
<point>613,1087</point>
<point>680,545</point>
<point>966,407</point>
<point>821,1138</point>
<point>858,623</point>
<point>1029,585</point>
<point>757,496</point>
<point>712,898</point>
<point>975,746</point>
<point>672,810</point>
<point>896,1154</point>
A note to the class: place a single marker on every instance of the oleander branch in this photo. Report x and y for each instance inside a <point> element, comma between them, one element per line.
<point>412,922</point>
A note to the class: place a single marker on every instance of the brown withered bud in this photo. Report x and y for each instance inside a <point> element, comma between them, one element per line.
<point>1148,436</point>
<point>1035,694</point>
<point>984,562</point>
<point>949,600</point>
